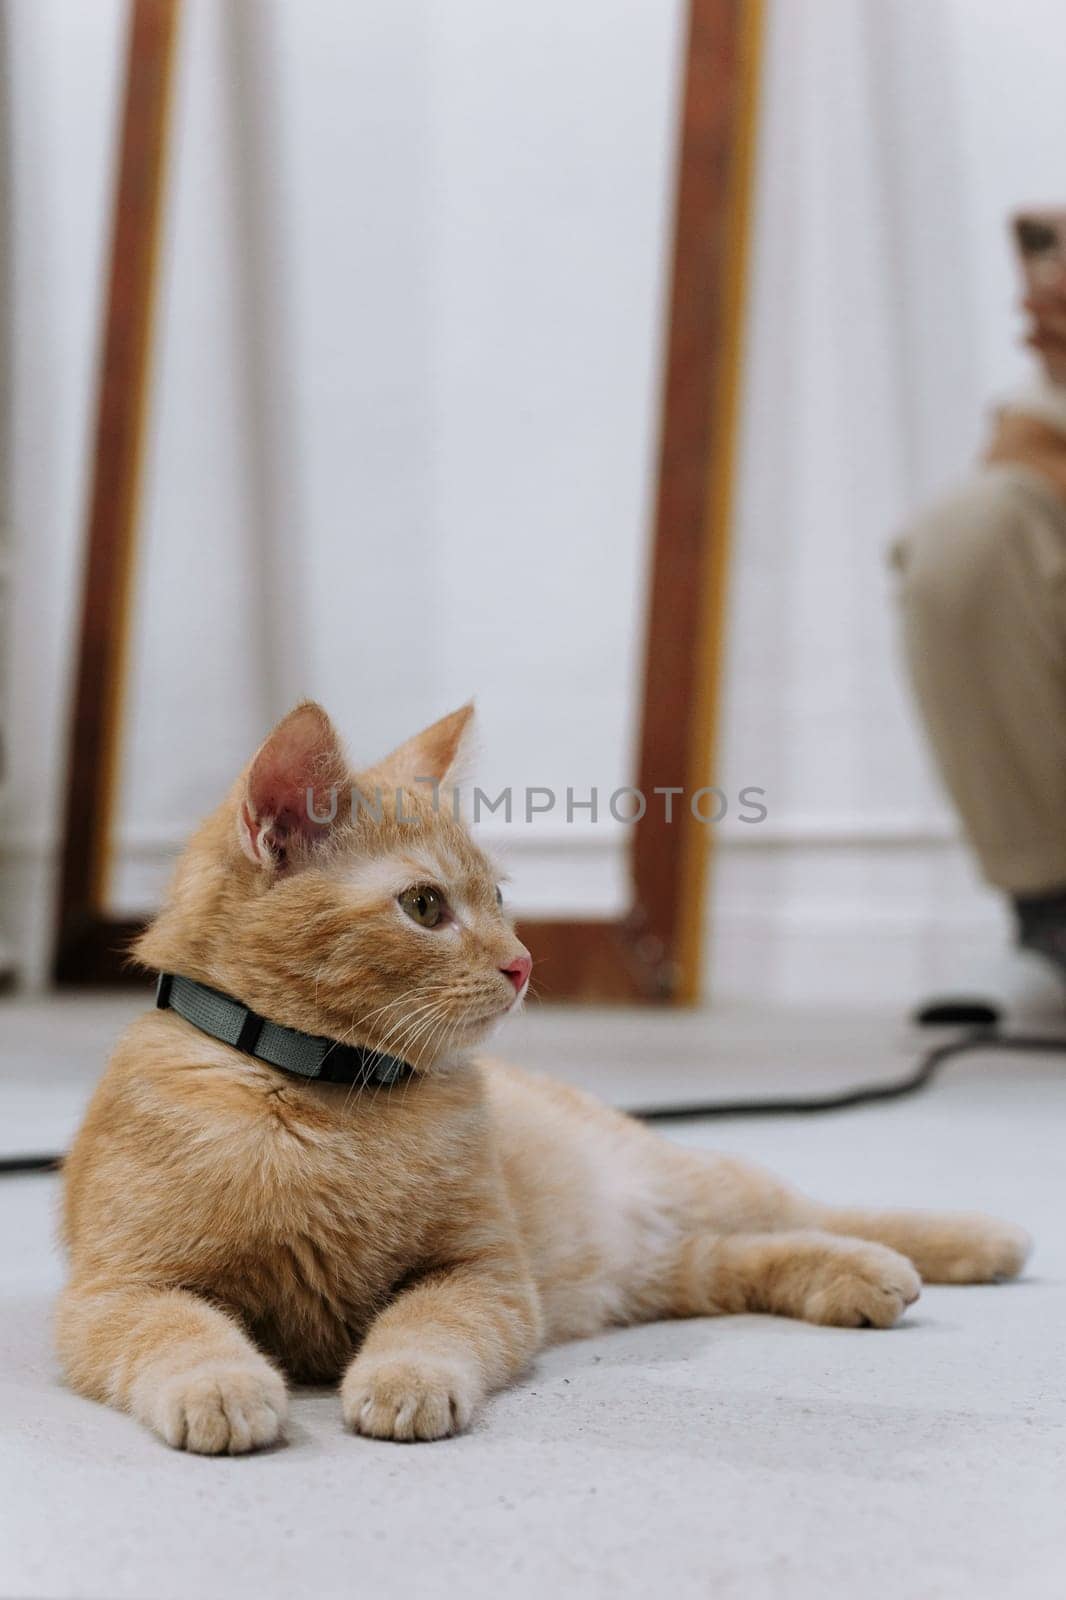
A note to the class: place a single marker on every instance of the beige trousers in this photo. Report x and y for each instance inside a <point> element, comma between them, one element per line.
<point>983,588</point>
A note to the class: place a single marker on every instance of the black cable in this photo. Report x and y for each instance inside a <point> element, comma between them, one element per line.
<point>16,1164</point>
<point>982,1038</point>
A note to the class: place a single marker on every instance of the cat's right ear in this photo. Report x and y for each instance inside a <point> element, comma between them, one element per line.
<point>291,789</point>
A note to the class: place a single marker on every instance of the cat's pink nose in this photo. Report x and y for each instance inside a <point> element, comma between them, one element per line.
<point>518,971</point>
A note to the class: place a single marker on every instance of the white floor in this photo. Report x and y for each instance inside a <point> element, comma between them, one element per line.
<point>745,1457</point>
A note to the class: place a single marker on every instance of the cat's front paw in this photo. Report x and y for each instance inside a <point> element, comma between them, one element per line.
<point>403,1397</point>
<point>861,1285</point>
<point>217,1408</point>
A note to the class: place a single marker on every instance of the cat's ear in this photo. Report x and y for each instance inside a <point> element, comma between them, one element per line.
<point>301,760</point>
<point>439,754</point>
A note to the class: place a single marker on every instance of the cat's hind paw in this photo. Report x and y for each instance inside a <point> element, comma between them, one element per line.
<point>973,1249</point>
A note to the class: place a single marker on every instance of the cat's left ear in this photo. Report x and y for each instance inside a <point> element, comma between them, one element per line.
<point>439,754</point>
<point>292,790</point>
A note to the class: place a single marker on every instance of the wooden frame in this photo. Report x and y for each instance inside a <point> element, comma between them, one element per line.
<point>90,947</point>
<point>653,952</point>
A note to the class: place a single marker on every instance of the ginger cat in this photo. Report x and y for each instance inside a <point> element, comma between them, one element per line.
<point>230,1224</point>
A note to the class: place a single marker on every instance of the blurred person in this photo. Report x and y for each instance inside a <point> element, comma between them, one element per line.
<point>983,591</point>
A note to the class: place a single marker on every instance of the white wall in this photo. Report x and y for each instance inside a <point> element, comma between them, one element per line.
<point>403,441</point>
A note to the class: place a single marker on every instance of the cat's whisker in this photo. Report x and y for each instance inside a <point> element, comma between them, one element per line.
<point>380,1051</point>
<point>367,1017</point>
<point>418,1045</point>
<point>399,1000</point>
<point>363,1021</point>
<point>401,1045</point>
<point>431,1047</point>
<point>395,1040</point>
<point>435,1009</point>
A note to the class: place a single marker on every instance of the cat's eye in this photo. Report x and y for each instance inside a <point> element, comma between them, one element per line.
<point>499,895</point>
<point>423,904</point>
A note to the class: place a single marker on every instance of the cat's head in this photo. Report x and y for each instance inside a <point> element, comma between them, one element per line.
<point>368,915</point>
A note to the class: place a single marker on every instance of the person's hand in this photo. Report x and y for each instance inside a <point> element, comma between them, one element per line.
<point>1046,334</point>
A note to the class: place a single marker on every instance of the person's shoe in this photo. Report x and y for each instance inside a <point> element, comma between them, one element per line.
<point>1041,921</point>
<point>1011,989</point>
